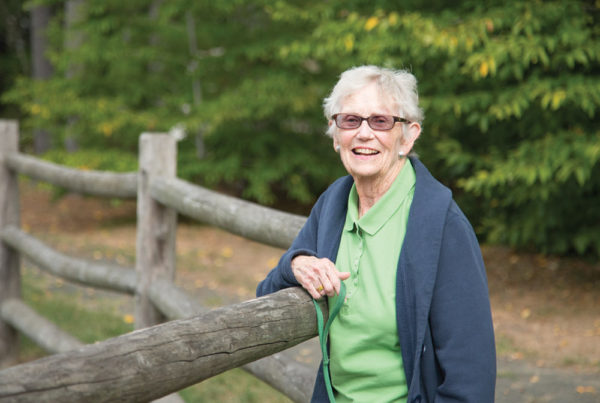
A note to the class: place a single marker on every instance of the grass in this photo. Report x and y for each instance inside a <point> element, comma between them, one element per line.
<point>92,316</point>
<point>504,345</point>
<point>235,386</point>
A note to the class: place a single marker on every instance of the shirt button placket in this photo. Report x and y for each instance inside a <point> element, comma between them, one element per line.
<point>358,256</point>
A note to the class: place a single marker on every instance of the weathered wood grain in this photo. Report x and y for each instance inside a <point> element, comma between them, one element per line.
<point>40,330</point>
<point>156,225</point>
<point>88,273</point>
<point>172,301</point>
<point>95,183</point>
<point>250,220</point>
<point>290,377</point>
<point>10,277</point>
<point>153,362</point>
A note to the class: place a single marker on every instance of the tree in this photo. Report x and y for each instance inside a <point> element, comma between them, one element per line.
<point>13,48</point>
<point>41,67</point>
<point>510,91</point>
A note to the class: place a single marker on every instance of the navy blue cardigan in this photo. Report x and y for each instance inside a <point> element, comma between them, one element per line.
<point>443,311</point>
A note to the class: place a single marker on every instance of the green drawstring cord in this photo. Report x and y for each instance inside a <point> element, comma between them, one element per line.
<point>324,330</point>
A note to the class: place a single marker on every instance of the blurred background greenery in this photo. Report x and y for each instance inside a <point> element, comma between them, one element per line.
<point>510,89</point>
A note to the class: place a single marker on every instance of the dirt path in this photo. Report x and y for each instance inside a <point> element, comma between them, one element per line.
<point>546,310</point>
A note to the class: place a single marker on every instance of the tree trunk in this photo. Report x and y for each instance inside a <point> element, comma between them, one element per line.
<point>74,15</point>
<point>41,67</point>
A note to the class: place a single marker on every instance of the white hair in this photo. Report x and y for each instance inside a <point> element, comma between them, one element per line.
<point>399,85</point>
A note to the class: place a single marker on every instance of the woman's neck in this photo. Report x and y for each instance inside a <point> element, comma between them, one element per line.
<point>370,190</point>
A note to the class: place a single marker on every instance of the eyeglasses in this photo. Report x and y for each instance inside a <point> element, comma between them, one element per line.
<point>376,122</point>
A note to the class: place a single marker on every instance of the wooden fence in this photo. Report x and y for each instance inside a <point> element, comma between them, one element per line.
<point>160,357</point>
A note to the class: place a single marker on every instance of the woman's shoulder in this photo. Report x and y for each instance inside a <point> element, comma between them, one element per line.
<point>429,192</point>
<point>333,201</point>
<point>434,196</point>
<point>343,183</point>
<point>337,191</point>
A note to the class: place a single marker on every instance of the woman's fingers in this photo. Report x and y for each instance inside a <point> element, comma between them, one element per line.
<point>335,278</point>
<point>318,276</point>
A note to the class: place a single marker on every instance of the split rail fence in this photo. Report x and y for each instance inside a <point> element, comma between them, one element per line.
<point>177,342</point>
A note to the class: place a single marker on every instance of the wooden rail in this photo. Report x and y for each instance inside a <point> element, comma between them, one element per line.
<point>160,195</point>
<point>252,221</point>
<point>43,332</point>
<point>167,357</point>
<point>291,377</point>
<point>10,277</point>
<point>95,183</point>
<point>81,271</point>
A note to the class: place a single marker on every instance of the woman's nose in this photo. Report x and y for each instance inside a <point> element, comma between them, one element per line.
<point>364,131</point>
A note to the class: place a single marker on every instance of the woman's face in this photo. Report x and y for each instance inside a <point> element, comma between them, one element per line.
<point>367,154</point>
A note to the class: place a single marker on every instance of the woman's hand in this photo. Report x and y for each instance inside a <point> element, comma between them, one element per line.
<point>318,276</point>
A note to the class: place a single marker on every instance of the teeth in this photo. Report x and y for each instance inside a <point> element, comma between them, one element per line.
<point>365,151</point>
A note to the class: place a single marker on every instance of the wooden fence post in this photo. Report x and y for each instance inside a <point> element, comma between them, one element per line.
<point>156,225</point>
<point>10,280</point>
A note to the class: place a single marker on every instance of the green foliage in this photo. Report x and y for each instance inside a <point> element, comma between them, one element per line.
<point>510,89</point>
<point>235,386</point>
<point>94,160</point>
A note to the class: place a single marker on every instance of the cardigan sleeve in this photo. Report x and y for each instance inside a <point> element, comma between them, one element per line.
<point>461,321</point>
<point>305,243</point>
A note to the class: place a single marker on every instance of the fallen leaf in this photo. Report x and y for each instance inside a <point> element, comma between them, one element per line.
<point>227,252</point>
<point>586,389</point>
<point>525,313</point>
<point>517,355</point>
<point>534,379</point>
<point>128,318</point>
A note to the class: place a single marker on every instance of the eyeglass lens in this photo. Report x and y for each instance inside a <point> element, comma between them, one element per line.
<point>375,122</point>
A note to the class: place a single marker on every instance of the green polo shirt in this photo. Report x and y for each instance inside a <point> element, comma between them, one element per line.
<point>366,361</point>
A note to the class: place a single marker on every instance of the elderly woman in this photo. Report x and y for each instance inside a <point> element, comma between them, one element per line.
<point>416,325</point>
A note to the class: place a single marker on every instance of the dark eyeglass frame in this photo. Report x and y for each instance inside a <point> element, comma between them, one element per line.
<point>369,120</point>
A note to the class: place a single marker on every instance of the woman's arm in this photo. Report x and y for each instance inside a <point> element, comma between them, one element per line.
<point>305,243</point>
<point>316,243</point>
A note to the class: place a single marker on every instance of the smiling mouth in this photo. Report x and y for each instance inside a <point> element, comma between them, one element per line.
<point>364,151</point>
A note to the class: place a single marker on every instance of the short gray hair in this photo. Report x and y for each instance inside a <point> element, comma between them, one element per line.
<point>399,85</point>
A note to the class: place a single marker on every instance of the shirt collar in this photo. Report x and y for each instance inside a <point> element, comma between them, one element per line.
<point>385,207</point>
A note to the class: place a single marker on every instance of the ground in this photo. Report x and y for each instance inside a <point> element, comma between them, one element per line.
<point>545,309</point>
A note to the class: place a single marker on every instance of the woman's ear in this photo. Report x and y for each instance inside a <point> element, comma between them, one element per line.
<point>336,143</point>
<point>412,134</point>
